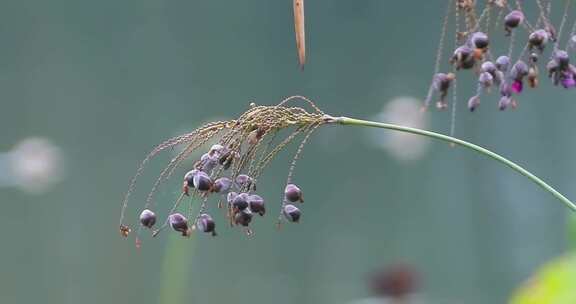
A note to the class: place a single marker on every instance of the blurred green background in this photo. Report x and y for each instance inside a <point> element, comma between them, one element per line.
<point>105,81</point>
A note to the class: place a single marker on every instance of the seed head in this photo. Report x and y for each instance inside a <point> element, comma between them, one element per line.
<point>244,181</point>
<point>291,213</point>
<point>179,223</point>
<point>222,185</point>
<point>202,182</point>
<point>240,202</point>
<point>513,19</point>
<point>243,217</point>
<point>256,204</point>
<point>147,218</point>
<point>293,194</point>
<point>479,40</point>
<point>205,223</point>
<point>502,63</point>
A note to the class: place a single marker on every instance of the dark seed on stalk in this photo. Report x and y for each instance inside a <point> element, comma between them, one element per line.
<point>291,213</point>
<point>562,58</point>
<point>231,196</point>
<point>206,224</point>
<point>502,63</point>
<point>486,79</point>
<point>256,204</point>
<point>243,217</point>
<point>513,19</point>
<point>240,202</point>
<point>519,70</point>
<point>488,67</point>
<point>179,223</point>
<point>293,194</point>
<point>208,162</point>
<point>147,218</point>
<point>189,177</point>
<point>222,185</point>
<point>473,103</point>
<point>243,181</point>
<point>479,40</point>
<point>202,181</point>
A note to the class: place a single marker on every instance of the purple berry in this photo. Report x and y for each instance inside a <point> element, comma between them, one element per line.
<point>243,217</point>
<point>562,58</point>
<point>202,181</point>
<point>243,181</point>
<point>502,63</point>
<point>240,202</point>
<point>256,204</point>
<point>179,223</point>
<point>517,86</point>
<point>222,185</point>
<point>291,213</point>
<point>538,39</point>
<point>189,177</point>
<point>473,103</point>
<point>231,196</point>
<point>479,40</point>
<point>208,162</point>
<point>519,70</point>
<point>486,79</point>
<point>206,224</point>
<point>293,194</point>
<point>147,218</point>
<point>513,19</point>
<point>488,67</point>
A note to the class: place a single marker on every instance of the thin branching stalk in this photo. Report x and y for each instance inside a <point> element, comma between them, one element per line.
<point>459,142</point>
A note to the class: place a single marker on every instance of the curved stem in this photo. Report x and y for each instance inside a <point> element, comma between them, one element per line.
<point>483,151</point>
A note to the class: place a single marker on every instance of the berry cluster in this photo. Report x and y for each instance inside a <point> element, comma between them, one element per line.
<point>474,48</point>
<point>229,170</point>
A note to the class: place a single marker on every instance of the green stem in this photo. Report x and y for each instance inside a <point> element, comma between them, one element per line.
<point>483,151</point>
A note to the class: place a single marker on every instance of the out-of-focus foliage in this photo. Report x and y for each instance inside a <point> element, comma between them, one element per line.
<point>552,284</point>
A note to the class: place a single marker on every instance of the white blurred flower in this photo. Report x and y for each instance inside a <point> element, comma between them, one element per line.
<point>34,165</point>
<point>403,146</point>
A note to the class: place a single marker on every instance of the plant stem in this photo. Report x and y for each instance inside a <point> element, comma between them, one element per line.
<point>456,141</point>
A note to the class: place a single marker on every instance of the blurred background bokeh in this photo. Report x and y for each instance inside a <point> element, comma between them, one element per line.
<point>88,87</point>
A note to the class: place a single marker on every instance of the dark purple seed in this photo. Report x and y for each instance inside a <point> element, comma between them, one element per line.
<point>291,213</point>
<point>206,224</point>
<point>243,217</point>
<point>504,102</point>
<point>293,194</point>
<point>256,204</point>
<point>231,196</point>
<point>441,81</point>
<point>147,218</point>
<point>513,19</point>
<point>538,38</point>
<point>222,185</point>
<point>562,58</point>
<point>208,162</point>
<point>488,67</point>
<point>243,181</point>
<point>473,103</point>
<point>463,57</point>
<point>179,223</point>
<point>486,79</point>
<point>216,151</point>
<point>189,177</point>
<point>519,70</point>
<point>240,202</point>
<point>502,63</point>
<point>479,40</point>
<point>202,181</point>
